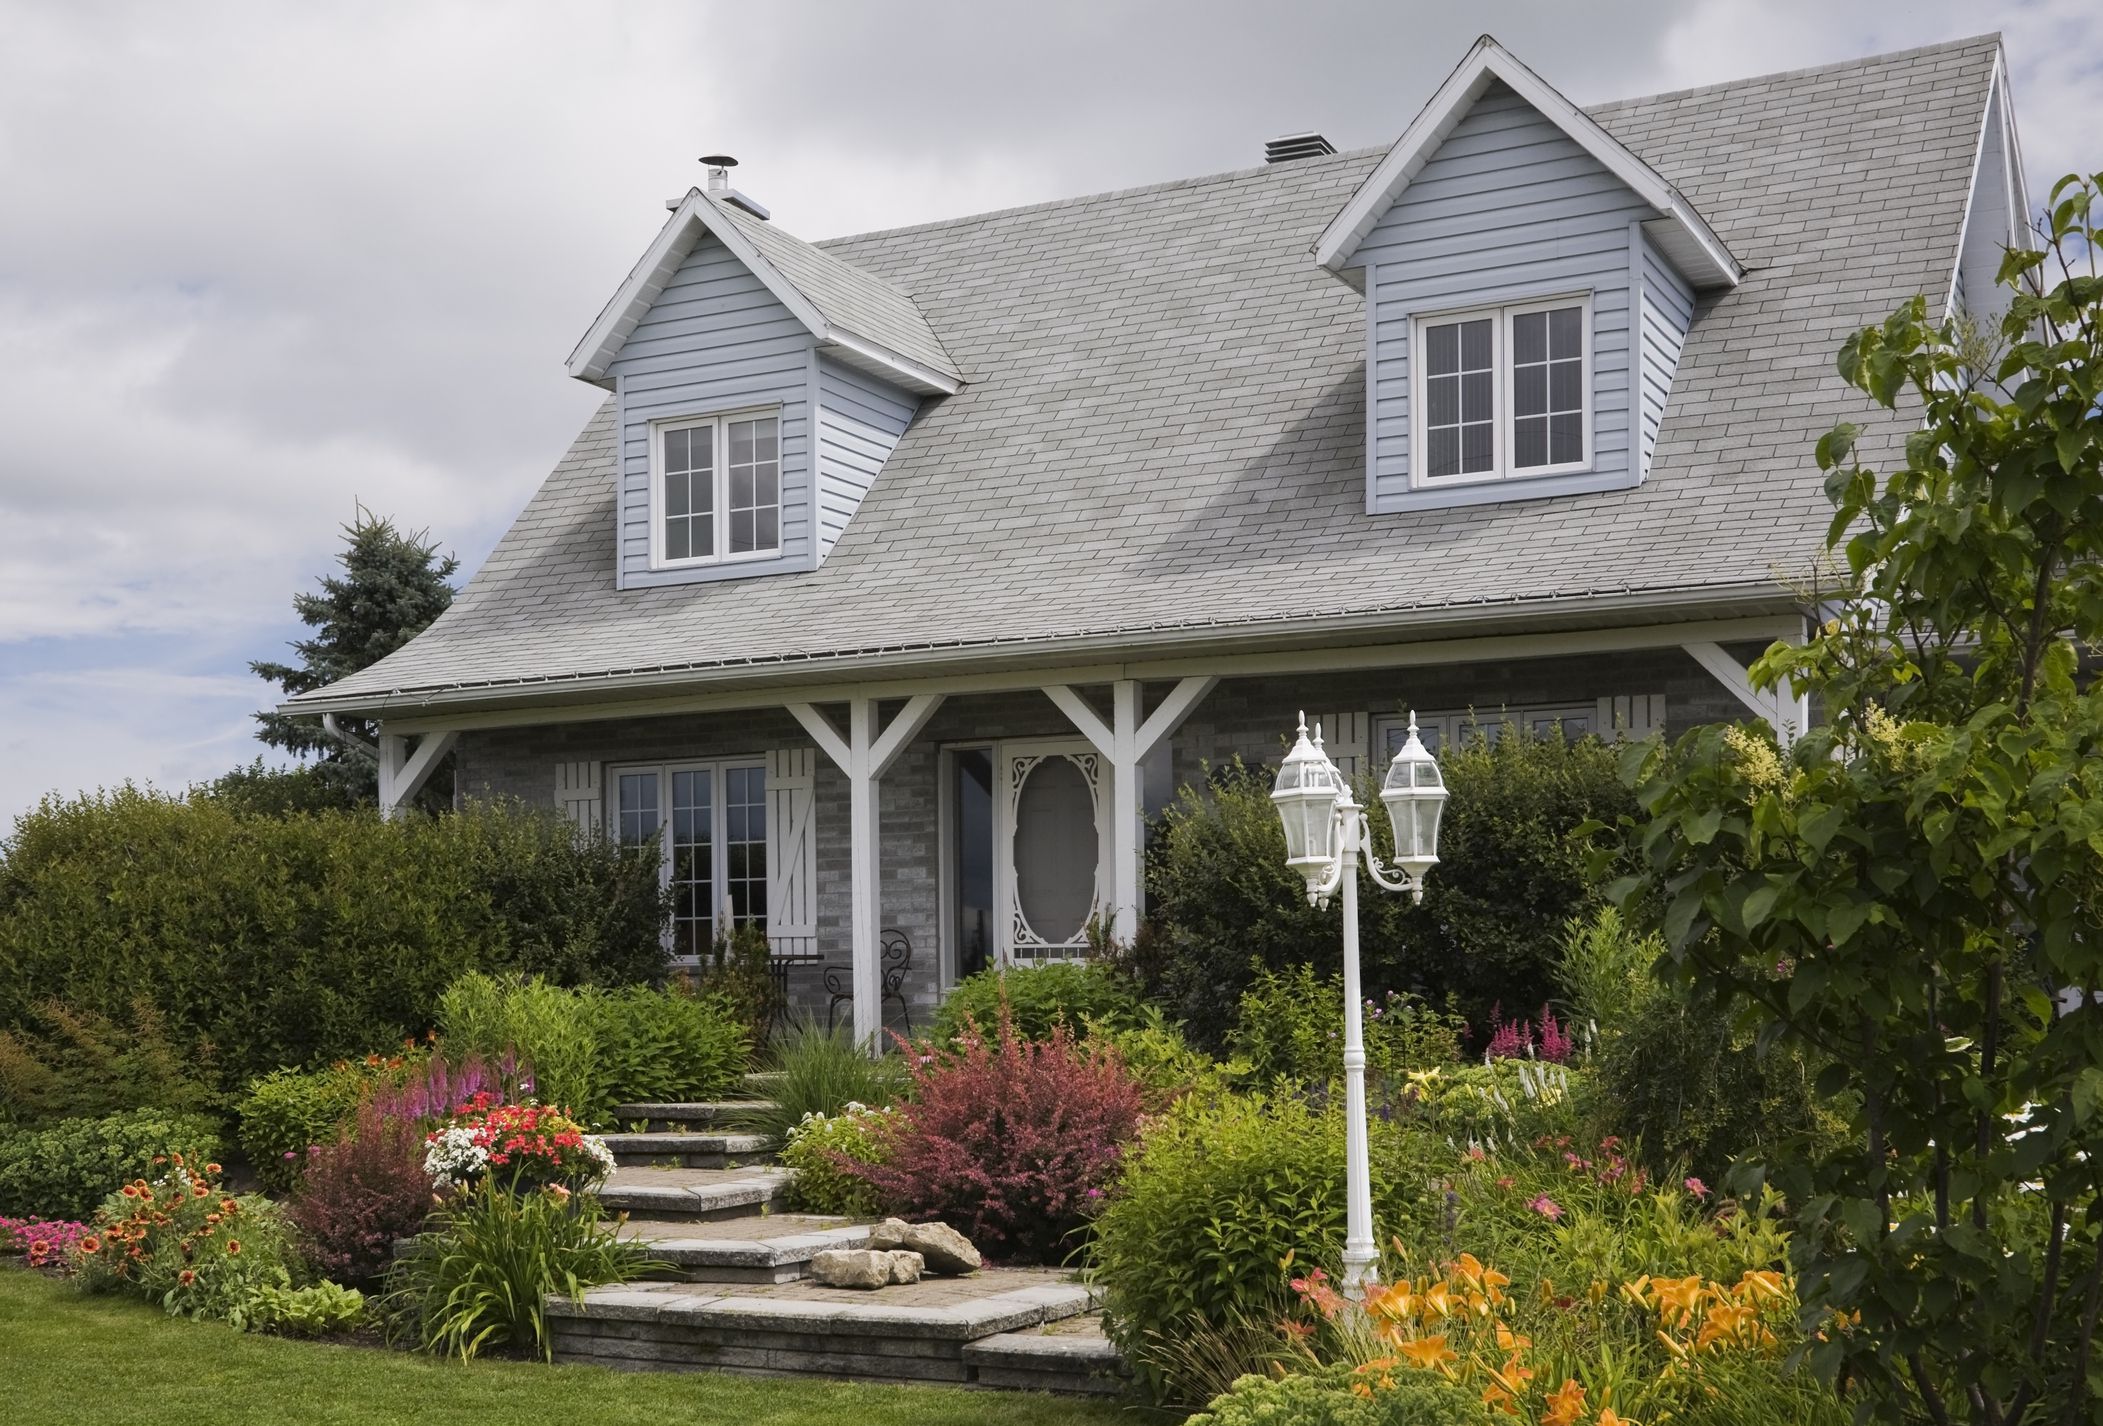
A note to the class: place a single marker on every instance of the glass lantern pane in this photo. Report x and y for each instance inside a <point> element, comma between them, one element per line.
<point>1428,825</point>
<point>1428,775</point>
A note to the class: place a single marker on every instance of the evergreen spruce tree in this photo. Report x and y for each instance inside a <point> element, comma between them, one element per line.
<point>392,586</point>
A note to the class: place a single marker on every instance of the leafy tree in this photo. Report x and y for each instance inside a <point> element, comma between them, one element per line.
<point>392,586</point>
<point>1912,890</point>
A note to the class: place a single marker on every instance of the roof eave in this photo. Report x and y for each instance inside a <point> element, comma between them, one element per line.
<point>1700,253</point>
<point>1654,606</point>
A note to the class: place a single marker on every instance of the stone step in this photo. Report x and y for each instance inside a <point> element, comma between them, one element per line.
<point>681,1116</point>
<point>910,1333</point>
<point>773,1248</point>
<point>695,1195</point>
<point>1072,1358</point>
<point>689,1151</point>
<point>763,1082</point>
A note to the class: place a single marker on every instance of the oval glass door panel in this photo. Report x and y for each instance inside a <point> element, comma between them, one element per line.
<point>1055,850</point>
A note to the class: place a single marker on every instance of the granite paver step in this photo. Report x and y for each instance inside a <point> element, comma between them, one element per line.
<point>1071,1357</point>
<point>688,1116</point>
<point>686,1194</point>
<point>773,1248</point>
<point>689,1151</point>
<point>914,1332</point>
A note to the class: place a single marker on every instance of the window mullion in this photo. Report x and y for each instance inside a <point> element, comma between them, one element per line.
<point>1500,362</point>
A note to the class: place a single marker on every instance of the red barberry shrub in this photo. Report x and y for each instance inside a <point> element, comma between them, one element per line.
<point>361,1195</point>
<point>1012,1142</point>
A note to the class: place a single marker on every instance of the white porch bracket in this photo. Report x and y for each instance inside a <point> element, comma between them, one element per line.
<point>865,754</point>
<point>1125,742</point>
<point>403,773</point>
<point>1788,711</point>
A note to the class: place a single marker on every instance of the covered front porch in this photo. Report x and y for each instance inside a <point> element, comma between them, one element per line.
<point>892,836</point>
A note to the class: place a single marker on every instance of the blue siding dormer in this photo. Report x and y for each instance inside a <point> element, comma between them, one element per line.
<point>859,422</point>
<point>1509,210</point>
<point>715,341</point>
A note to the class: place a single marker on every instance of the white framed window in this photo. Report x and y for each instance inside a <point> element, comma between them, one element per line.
<point>715,488</point>
<point>1501,392</point>
<point>1452,727</point>
<point>710,819</point>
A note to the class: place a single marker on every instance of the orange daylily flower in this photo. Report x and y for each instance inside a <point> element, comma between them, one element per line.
<point>1564,1404</point>
<point>1429,1352</point>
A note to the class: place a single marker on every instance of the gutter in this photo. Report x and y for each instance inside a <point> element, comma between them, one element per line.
<point>934,659</point>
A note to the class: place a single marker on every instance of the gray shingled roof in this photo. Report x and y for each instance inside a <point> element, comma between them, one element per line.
<point>850,297</point>
<point>1165,421</point>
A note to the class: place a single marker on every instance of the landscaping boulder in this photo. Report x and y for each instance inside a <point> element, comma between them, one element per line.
<point>946,1252</point>
<point>864,1267</point>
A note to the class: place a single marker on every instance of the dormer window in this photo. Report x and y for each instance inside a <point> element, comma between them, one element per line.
<point>715,488</point>
<point>1502,392</point>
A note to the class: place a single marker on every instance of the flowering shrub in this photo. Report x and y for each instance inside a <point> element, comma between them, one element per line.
<point>45,1243</point>
<point>1012,1142</point>
<point>1518,1039</point>
<point>288,1112</point>
<point>1670,1348</point>
<point>1290,1027</point>
<point>828,1152</point>
<point>362,1194</point>
<point>518,1145</point>
<point>182,1241</point>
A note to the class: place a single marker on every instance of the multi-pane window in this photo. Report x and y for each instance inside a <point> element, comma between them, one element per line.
<point>1503,392</point>
<point>716,488</point>
<point>710,822</point>
<point>1460,405</point>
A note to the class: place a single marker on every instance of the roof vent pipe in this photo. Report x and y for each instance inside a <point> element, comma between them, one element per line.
<point>719,166</point>
<point>1292,146</point>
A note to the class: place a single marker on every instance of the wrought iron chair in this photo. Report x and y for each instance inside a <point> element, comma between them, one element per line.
<point>896,952</point>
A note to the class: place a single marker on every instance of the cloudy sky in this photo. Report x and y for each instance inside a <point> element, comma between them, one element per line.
<point>261,262</point>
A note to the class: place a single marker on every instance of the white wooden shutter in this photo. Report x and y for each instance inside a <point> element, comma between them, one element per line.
<point>1631,716</point>
<point>792,852</point>
<point>1344,738</point>
<point>577,794</point>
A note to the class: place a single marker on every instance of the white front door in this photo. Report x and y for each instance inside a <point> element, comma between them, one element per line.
<point>1050,871</point>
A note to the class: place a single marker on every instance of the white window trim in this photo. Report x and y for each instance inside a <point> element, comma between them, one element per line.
<point>1500,316</point>
<point>718,824</point>
<point>719,477</point>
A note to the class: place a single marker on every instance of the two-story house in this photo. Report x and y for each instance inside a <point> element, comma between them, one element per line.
<point>899,575</point>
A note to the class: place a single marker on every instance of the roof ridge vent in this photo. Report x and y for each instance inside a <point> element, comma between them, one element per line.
<point>719,166</point>
<point>1292,146</point>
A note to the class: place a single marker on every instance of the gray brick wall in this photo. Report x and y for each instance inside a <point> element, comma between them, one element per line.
<point>1249,717</point>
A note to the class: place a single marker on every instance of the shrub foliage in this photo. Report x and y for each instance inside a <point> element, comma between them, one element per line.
<point>1039,997</point>
<point>1010,1141</point>
<point>361,1194</point>
<point>301,940</point>
<point>1226,907</point>
<point>66,1170</point>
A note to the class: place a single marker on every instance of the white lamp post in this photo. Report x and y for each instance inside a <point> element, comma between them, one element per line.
<point>1325,834</point>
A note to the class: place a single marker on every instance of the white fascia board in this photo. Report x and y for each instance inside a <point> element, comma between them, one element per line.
<point>1705,260</point>
<point>880,360</point>
<point>1971,189</point>
<point>594,355</point>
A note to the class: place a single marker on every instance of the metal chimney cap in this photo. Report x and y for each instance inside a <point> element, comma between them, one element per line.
<point>719,160</point>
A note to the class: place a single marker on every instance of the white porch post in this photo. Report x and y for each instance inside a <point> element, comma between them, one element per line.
<point>1124,742</point>
<point>865,754</point>
<point>403,773</point>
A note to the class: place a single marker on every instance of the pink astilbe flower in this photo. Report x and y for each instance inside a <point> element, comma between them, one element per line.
<point>1556,1046</point>
<point>1005,1139</point>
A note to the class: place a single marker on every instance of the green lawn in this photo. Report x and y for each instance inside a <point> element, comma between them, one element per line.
<point>65,1357</point>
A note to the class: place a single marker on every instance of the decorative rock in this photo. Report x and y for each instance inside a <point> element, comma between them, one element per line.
<point>946,1252</point>
<point>864,1267</point>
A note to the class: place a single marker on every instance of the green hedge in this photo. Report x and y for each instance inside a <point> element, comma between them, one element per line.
<point>1223,904</point>
<point>592,1049</point>
<point>65,1171</point>
<point>1038,998</point>
<point>304,939</point>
